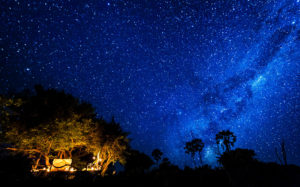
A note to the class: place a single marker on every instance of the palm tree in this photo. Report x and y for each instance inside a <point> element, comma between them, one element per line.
<point>194,146</point>
<point>226,139</point>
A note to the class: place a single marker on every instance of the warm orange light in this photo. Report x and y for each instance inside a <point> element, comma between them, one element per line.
<point>72,169</point>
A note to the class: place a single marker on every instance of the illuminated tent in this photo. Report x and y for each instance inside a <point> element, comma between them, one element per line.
<point>61,165</point>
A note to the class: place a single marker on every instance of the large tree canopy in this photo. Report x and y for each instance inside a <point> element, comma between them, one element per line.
<point>52,124</point>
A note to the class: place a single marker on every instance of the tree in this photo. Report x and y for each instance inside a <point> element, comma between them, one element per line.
<point>167,168</point>
<point>52,124</point>
<point>226,139</point>
<point>193,147</point>
<point>47,123</point>
<point>137,162</point>
<point>156,154</point>
<point>7,106</point>
<point>109,144</point>
<point>282,159</point>
<point>238,158</point>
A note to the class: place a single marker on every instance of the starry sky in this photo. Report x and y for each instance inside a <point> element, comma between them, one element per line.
<point>169,71</point>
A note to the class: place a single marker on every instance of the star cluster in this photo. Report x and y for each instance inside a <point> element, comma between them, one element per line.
<point>169,71</point>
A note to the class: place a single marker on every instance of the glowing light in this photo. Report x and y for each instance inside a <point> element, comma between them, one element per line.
<point>259,81</point>
<point>35,170</point>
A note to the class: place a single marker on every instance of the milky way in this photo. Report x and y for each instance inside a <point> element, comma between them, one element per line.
<point>169,71</point>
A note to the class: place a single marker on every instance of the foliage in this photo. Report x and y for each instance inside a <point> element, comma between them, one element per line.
<point>108,143</point>
<point>137,162</point>
<point>238,158</point>
<point>193,147</point>
<point>156,154</point>
<point>167,168</point>
<point>53,124</point>
<point>226,139</point>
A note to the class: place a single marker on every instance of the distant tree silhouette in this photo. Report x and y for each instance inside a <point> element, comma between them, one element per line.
<point>137,162</point>
<point>166,165</point>
<point>167,168</point>
<point>166,161</point>
<point>193,147</point>
<point>282,159</point>
<point>156,154</point>
<point>226,139</point>
<point>238,158</point>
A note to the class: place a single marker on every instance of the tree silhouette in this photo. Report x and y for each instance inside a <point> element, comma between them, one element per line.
<point>282,159</point>
<point>165,164</point>
<point>156,154</point>
<point>226,139</point>
<point>193,147</point>
<point>137,162</point>
<point>238,158</point>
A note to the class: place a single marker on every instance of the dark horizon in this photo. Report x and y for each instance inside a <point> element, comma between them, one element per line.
<point>167,71</point>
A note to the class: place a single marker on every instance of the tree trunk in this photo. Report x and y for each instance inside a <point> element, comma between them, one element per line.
<point>62,155</point>
<point>59,155</point>
<point>37,162</point>
<point>194,162</point>
<point>200,157</point>
<point>47,161</point>
<point>104,168</point>
<point>70,154</point>
<point>227,147</point>
<point>283,153</point>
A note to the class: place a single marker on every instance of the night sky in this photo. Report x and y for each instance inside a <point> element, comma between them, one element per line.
<point>169,71</point>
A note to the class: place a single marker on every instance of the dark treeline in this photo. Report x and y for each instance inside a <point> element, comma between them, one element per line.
<point>49,124</point>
